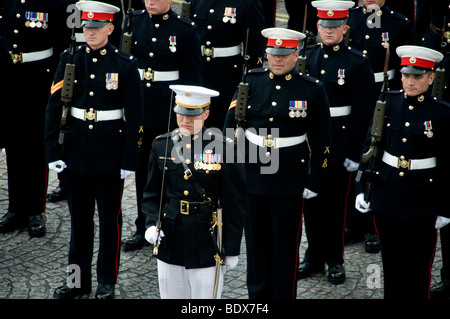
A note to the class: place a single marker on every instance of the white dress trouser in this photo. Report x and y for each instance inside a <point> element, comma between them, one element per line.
<point>177,282</point>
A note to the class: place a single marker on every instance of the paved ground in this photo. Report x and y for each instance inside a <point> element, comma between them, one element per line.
<point>31,268</point>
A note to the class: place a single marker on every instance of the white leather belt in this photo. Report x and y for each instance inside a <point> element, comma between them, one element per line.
<point>156,76</point>
<point>31,56</point>
<point>221,52</point>
<point>379,76</point>
<point>94,115</point>
<point>340,110</point>
<point>275,142</point>
<point>401,162</point>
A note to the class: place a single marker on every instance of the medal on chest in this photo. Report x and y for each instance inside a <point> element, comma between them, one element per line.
<point>36,19</point>
<point>229,15</point>
<point>297,109</point>
<point>112,81</point>
<point>385,39</point>
<point>207,162</point>
<point>341,76</point>
<point>428,128</point>
<point>172,43</point>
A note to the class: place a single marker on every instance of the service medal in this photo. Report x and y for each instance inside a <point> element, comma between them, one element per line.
<point>341,76</point>
<point>297,109</point>
<point>428,128</point>
<point>112,81</point>
<point>172,43</point>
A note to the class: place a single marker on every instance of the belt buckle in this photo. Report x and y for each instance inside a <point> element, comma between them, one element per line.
<point>268,141</point>
<point>149,74</point>
<point>184,207</point>
<point>16,57</point>
<point>209,52</point>
<point>91,115</point>
<point>403,163</point>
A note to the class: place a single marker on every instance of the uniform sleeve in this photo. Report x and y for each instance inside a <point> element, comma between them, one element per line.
<point>233,201</point>
<point>192,65</point>
<point>255,23</point>
<point>134,115</point>
<point>53,114</point>
<point>319,139</point>
<point>230,121</point>
<point>152,191</point>
<point>363,98</point>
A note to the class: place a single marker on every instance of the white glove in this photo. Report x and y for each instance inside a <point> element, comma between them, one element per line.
<point>350,165</point>
<point>57,166</point>
<point>441,222</point>
<point>307,194</point>
<point>124,173</point>
<point>361,204</point>
<point>231,262</point>
<point>151,234</point>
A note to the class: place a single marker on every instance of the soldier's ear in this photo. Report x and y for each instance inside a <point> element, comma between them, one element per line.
<point>110,28</point>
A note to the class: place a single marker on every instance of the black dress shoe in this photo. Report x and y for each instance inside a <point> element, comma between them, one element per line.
<point>64,292</point>
<point>306,269</point>
<point>36,226</point>
<point>134,243</point>
<point>57,195</point>
<point>441,290</point>
<point>11,221</point>
<point>105,291</point>
<point>336,274</point>
<point>372,243</point>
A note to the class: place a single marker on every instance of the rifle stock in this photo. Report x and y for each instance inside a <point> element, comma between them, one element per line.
<point>373,155</point>
<point>127,37</point>
<point>242,99</point>
<point>67,93</point>
<point>186,9</point>
<point>301,61</point>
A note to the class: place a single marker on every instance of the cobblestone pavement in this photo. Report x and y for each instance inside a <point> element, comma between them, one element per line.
<point>31,268</point>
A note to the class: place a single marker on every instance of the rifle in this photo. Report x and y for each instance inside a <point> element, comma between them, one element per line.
<point>127,37</point>
<point>373,155</point>
<point>186,9</point>
<point>67,92</point>
<point>242,99</point>
<point>439,80</point>
<point>301,61</point>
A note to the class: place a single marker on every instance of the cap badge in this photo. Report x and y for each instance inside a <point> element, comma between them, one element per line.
<point>330,13</point>
<point>188,94</point>
<point>279,42</point>
<point>90,15</point>
<point>412,60</point>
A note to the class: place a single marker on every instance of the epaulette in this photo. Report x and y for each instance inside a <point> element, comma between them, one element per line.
<point>185,20</point>
<point>257,71</point>
<point>356,52</point>
<point>124,55</point>
<point>138,12</point>
<point>312,46</point>
<point>397,15</point>
<point>442,102</point>
<point>356,9</point>
<point>394,92</point>
<point>309,78</point>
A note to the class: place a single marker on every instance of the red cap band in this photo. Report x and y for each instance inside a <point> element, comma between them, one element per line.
<point>284,43</point>
<point>421,63</point>
<point>330,14</point>
<point>99,16</point>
